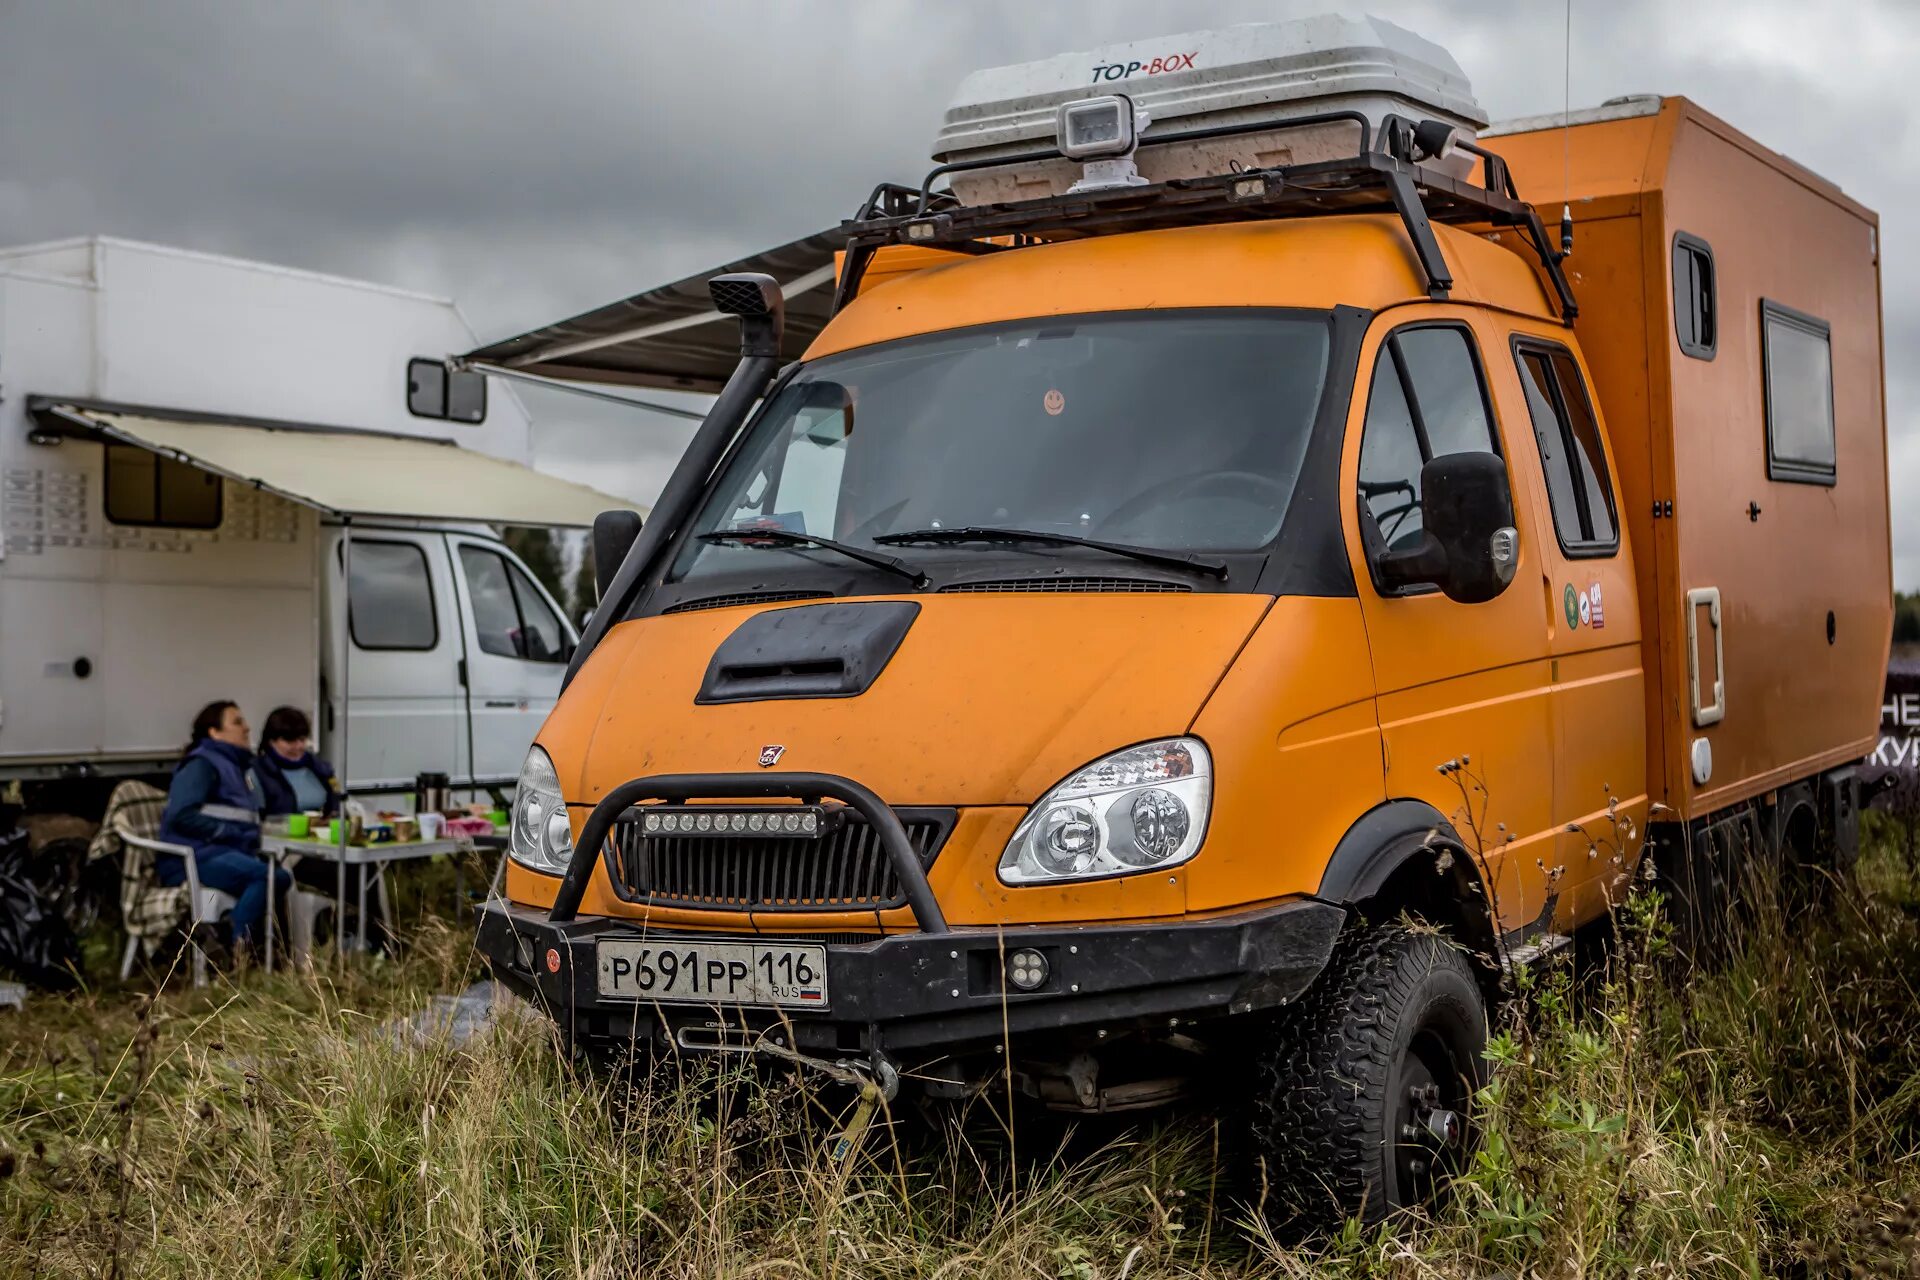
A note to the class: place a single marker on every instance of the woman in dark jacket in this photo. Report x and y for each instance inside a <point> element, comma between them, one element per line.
<point>292,778</point>
<point>213,807</point>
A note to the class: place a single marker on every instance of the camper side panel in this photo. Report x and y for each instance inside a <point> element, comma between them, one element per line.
<point>117,632</point>
<point>1799,556</point>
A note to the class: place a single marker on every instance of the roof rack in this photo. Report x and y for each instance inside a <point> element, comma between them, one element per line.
<point>1388,177</point>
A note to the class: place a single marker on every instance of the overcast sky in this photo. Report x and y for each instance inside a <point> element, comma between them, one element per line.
<point>534,160</point>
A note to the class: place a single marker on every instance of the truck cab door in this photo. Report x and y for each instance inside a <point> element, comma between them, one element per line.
<point>517,649</point>
<point>396,659</point>
<point>1464,683</point>
<point>1593,627</point>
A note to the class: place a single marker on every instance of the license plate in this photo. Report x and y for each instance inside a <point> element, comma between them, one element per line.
<point>701,971</point>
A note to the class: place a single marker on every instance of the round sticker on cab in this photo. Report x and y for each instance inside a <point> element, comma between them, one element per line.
<point>1576,604</point>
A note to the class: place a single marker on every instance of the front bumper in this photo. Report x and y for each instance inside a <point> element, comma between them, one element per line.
<point>941,991</point>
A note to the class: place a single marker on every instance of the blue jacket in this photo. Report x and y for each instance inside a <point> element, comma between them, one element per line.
<point>214,800</point>
<point>276,793</point>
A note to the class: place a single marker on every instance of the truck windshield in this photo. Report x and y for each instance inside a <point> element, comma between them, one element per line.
<point>1170,430</point>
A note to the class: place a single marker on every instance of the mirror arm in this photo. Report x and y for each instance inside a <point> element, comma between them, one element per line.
<point>1422,565</point>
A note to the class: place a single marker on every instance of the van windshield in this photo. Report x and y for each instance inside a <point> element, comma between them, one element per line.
<point>1170,430</point>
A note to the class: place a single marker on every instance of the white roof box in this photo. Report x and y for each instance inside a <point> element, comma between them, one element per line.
<point>1256,72</point>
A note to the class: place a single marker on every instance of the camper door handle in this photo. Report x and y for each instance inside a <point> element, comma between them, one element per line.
<point>1705,601</point>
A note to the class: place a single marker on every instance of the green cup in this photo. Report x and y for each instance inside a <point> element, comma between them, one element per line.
<point>333,831</point>
<point>299,826</point>
<point>498,817</point>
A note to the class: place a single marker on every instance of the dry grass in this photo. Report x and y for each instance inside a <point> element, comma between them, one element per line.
<point>1760,1120</point>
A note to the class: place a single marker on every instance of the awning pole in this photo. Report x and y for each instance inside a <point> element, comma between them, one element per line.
<point>573,389</point>
<point>345,766</point>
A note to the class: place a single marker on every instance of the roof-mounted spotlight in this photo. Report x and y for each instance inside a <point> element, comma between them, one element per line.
<point>1434,140</point>
<point>1102,133</point>
<point>762,309</point>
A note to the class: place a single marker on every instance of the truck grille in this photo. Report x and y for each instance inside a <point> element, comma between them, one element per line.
<point>845,869</point>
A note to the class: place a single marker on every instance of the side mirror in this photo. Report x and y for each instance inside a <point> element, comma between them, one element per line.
<point>1469,547</point>
<point>614,533</point>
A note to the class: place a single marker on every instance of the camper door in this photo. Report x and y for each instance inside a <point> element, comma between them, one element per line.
<point>401,667</point>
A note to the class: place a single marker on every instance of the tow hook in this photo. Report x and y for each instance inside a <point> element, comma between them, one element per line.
<point>877,1081</point>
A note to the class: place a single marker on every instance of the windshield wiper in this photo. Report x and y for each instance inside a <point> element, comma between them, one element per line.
<point>977,533</point>
<point>788,538</point>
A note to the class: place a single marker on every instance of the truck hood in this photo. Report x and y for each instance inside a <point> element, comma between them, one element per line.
<point>988,700</point>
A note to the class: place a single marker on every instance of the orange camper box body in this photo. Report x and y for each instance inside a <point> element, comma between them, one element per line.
<point>1695,248</point>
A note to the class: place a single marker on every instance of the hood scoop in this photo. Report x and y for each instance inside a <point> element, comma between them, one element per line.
<point>814,651</point>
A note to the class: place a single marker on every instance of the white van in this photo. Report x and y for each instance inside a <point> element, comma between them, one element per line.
<point>223,479</point>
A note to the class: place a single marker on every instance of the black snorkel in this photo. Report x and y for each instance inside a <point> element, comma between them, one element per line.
<point>757,301</point>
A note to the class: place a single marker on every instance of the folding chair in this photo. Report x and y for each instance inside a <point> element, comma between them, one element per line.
<point>204,905</point>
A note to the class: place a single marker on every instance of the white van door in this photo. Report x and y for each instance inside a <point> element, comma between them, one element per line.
<point>517,650</point>
<point>401,667</point>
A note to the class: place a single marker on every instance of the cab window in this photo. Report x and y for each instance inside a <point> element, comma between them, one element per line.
<point>510,617</point>
<point>1578,486</point>
<point>1427,400</point>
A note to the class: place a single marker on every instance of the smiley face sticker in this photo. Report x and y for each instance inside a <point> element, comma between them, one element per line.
<point>1053,402</point>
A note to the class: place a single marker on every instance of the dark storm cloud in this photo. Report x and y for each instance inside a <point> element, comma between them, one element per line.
<point>534,160</point>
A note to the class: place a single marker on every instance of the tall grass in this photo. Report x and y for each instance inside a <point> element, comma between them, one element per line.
<point>1761,1119</point>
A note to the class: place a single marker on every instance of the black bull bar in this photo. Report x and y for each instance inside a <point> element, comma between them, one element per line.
<point>809,788</point>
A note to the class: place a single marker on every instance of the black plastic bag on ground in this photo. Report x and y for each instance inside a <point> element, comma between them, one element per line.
<point>36,944</point>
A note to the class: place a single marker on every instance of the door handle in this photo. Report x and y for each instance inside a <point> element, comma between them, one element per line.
<point>1703,604</point>
<point>500,702</point>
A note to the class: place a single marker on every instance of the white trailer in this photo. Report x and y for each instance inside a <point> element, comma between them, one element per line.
<point>215,482</point>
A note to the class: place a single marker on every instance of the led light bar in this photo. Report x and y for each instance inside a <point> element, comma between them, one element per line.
<point>785,821</point>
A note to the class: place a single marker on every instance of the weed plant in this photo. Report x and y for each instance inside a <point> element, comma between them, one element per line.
<point>1759,1118</point>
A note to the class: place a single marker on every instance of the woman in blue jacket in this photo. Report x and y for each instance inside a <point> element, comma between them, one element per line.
<point>213,807</point>
<point>292,778</point>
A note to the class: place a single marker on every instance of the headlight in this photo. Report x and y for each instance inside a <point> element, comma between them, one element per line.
<point>1141,809</point>
<point>542,837</point>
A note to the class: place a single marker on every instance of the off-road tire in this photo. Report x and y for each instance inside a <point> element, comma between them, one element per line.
<point>1331,1072</point>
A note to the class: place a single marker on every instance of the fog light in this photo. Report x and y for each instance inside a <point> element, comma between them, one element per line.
<point>1026,969</point>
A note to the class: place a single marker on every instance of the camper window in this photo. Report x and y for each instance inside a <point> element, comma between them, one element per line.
<point>144,488</point>
<point>1695,313</point>
<point>1797,354</point>
<point>1427,400</point>
<point>1578,486</point>
<point>433,391</point>
<point>510,616</point>
<point>390,599</point>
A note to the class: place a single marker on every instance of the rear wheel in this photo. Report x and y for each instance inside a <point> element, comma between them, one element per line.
<point>1362,1091</point>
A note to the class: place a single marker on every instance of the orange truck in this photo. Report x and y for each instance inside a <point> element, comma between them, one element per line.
<point>1208,592</point>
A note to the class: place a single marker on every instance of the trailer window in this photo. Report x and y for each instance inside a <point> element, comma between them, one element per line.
<point>1797,355</point>
<point>1571,453</point>
<point>390,597</point>
<point>1695,312</point>
<point>510,617</point>
<point>1427,401</point>
<point>144,488</point>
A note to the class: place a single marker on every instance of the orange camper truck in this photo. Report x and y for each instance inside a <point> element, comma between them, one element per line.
<point>1197,589</point>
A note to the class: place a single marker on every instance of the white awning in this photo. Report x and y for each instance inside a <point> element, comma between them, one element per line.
<point>356,473</point>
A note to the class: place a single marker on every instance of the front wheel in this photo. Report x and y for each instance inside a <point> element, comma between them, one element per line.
<point>1362,1091</point>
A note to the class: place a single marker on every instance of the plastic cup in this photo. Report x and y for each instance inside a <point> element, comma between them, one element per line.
<point>299,826</point>
<point>498,817</point>
<point>333,831</point>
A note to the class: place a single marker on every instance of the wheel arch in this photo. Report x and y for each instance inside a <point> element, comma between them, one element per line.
<point>1404,856</point>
